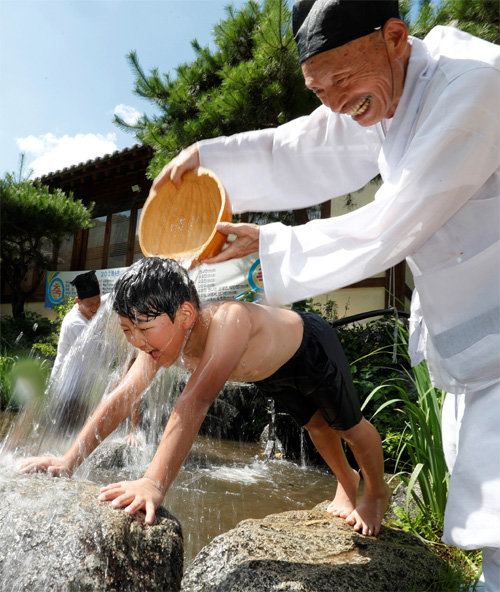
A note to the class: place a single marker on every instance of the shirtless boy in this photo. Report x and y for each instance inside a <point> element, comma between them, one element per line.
<point>294,357</point>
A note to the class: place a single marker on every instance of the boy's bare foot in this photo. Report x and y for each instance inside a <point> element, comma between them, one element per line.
<point>344,501</point>
<point>367,516</point>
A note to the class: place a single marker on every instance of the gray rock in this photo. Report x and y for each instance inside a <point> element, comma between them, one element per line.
<point>311,551</point>
<point>56,535</point>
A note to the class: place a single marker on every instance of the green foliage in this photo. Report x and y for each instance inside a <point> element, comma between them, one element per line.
<point>32,217</point>
<point>251,80</point>
<point>6,363</point>
<point>478,17</point>
<point>22,380</point>
<point>370,349</point>
<point>425,446</point>
<point>19,335</point>
<point>28,378</point>
<point>20,339</point>
<point>48,345</point>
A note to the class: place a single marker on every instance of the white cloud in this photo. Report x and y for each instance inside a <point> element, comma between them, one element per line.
<point>52,153</point>
<point>128,114</point>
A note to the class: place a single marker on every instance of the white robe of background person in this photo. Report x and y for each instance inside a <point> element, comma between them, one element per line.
<point>438,207</point>
<point>73,325</point>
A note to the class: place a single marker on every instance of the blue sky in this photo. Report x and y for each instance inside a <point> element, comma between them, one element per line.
<point>64,73</point>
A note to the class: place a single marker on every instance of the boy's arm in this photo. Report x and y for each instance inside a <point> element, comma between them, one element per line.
<point>112,410</point>
<point>227,341</point>
<point>135,419</point>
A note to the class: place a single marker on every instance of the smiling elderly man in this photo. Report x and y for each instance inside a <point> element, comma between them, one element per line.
<point>423,114</point>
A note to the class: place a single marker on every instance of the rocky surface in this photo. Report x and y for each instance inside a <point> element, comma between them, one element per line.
<point>56,535</point>
<point>310,551</point>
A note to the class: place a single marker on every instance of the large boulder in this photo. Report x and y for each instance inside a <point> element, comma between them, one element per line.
<point>56,535</point>
<point>311,551</point>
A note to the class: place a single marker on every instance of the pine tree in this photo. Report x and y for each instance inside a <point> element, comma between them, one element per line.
<point>252,80</point>
<point>477,17</point>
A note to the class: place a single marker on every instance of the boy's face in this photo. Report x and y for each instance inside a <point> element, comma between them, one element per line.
<point>159,337</point>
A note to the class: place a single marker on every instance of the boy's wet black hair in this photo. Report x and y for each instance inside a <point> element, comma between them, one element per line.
<point>151,287</point>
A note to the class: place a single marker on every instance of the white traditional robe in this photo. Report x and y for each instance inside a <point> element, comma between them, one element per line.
<point>438,207</point>
<point>73,325</point>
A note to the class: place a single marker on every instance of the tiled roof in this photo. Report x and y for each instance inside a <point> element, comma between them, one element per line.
<point>105,160</point>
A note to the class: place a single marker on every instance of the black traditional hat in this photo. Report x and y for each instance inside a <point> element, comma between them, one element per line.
<point>86,285</point>
<point>320,25</point>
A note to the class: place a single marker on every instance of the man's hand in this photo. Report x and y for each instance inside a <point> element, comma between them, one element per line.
<point>54,465</point>
<point>245,243</point>
<point>133,496</point>
<point>187,160</point>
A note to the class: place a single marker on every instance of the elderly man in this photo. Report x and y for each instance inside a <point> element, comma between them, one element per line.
<point>423,114</point>
<point>88,301</point>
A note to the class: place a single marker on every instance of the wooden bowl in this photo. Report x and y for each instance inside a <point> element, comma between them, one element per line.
<point>180,223</point>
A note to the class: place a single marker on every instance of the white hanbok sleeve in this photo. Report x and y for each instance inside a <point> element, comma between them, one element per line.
<point>451,156</point>
<point>299,164</point>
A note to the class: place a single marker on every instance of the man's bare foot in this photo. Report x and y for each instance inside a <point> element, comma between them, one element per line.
<point>344,501</point>
<point>367,517</point>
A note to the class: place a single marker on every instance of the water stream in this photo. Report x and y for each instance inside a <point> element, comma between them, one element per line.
<point>221,483</point>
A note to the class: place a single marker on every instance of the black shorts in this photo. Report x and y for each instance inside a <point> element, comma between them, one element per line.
<point>318,376</point>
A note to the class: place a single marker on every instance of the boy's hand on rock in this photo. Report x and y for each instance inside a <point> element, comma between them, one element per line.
<point>132,440</point>
<point>53,465</point>
<point>133,496</point>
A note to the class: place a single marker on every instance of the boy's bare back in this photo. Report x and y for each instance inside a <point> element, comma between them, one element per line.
<point>271,336</point>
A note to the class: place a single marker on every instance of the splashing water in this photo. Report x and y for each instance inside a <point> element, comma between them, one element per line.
<point>96,363</point>
<point>221,483</point>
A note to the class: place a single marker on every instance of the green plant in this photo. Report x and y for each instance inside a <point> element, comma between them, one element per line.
<point>425,446</point>
<point>28,379</point>
<point>369,349</point>
<point>22,380</point>
<point>34,221</point>
<point>48,345</point>
<point>17,336</point>
<point>6,363</point>
<point>249,78</point>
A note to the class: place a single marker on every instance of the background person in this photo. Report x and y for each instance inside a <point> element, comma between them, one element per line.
<point>71,405</point>
<point>424,115</point>
<point>88,301</point>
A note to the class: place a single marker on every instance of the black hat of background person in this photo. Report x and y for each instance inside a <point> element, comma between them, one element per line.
<point>86,285</point>
<point>320,25</point>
